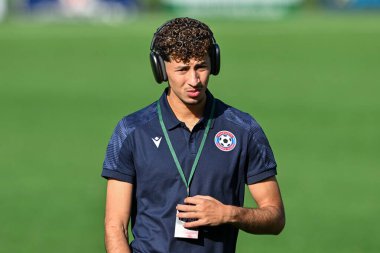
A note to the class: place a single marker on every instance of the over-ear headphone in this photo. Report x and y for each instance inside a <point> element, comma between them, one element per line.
<point>158,65</point>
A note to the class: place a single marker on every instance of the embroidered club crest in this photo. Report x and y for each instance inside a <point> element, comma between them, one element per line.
<point>225,140</point>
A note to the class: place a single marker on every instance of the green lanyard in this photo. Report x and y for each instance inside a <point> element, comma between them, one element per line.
<point>175,158</point>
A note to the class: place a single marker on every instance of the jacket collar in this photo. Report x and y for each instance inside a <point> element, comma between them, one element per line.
<point>171,120</point>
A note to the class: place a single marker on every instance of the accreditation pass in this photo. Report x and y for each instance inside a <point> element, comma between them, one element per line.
<point>182,232</point>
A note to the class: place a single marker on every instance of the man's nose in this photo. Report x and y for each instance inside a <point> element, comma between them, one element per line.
<point>194,78</point>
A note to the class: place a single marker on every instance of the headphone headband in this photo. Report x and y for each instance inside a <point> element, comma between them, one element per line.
<point>162,26</point>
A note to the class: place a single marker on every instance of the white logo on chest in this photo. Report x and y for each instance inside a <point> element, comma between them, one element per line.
<point>157,141</point>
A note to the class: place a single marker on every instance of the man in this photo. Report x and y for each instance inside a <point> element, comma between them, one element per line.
<point>178,167</point>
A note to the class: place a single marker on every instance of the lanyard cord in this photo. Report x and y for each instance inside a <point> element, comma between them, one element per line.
<point>175,158</point>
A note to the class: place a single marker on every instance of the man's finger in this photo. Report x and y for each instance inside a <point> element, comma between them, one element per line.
<point>193,200</point>
<point>204,197</point>
<point>186,208</point>
<point>188,215</point>
<point>194,224</point>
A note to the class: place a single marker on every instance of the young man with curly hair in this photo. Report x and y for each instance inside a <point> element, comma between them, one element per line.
<point>178,168</point>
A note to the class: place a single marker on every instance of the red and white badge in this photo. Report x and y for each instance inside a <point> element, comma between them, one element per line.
<point>225,140</point>
<point>182,232</point>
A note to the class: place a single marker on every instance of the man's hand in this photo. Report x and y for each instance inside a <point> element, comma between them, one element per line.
<point>267,218</point>
<point>205,210</point>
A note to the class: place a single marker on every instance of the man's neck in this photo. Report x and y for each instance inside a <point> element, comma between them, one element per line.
<point>190,114</point>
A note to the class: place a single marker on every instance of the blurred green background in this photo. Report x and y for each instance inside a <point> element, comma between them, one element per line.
<point>311,80</point>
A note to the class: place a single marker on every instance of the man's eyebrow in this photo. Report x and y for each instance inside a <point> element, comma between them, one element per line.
<point>201,64</point>
<point>185,66</point>
<point>182,67</point>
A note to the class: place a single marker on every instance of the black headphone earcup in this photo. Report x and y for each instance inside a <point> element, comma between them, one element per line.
<point>158,67</point>
<point>215,59</point>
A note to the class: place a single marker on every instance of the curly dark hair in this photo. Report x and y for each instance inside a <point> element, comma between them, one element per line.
<point>182,39</point>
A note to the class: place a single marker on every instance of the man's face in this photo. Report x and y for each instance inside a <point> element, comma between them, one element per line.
<point>188,81</point>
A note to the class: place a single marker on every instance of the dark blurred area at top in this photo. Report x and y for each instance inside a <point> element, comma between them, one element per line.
<point>120,10</point>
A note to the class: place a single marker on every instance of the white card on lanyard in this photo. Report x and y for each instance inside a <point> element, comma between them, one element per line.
<point>181,232</point>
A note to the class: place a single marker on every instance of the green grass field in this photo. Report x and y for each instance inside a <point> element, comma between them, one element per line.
<point>311,80</point>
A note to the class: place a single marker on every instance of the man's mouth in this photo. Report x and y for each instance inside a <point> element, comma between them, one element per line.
<point>193,93</point>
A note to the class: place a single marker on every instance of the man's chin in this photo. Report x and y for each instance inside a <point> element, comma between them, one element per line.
<point>193,101</point>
